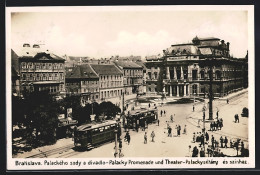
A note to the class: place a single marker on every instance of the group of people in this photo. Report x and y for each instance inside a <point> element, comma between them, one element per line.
<point>195,152</point>
<point>217,125</point>
<point>163,113</point>
<point>201,138</point>
<point>152,137</point>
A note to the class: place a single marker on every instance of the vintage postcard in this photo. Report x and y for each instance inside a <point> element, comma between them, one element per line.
<point>130,87</point>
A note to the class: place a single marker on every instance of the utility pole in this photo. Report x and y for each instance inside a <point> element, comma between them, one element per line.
<point>210,90</point>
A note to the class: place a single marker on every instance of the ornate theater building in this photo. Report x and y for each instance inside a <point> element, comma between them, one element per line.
<point>189,69</point>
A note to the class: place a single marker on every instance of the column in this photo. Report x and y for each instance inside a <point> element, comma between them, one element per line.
<point>168,72</point>
<point>177,91</point>
<point>175,74</point>
<point>181,73</point>
<point>188,86</point>
<point>184,90</point>
<point>170,91</point>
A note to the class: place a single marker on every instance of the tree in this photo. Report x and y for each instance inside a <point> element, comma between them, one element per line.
<point>109,109</point>
<point>41,120</point>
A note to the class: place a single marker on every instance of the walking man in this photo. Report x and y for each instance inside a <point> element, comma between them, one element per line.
<point>193,108</point>
<point>226,141</point>
<point>152,135</point>
<point>221,141</point>
<point>145,138</point>
<point>158,122</point>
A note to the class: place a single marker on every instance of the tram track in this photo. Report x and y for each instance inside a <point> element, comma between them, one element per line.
<point>51,152</point>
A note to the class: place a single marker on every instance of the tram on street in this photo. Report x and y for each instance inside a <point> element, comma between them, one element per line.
<point>90,135</point>
<point>141,118</point>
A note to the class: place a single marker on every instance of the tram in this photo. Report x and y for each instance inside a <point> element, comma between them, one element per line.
<point>141,118</point>
<point>90,135</point>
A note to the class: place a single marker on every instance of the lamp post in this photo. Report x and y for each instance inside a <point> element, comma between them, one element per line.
<point>115,154</point>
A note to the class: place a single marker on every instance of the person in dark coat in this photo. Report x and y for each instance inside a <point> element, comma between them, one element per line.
<point>225,141</point>
<point>202,142</point>
<point>195,152</point>
<point>202,152</point>
<point>221,141</point>
<point>145,138</point>
<point>212,141</point>
<point>211,126</point>
<point>158,122</point>
<point>207,137</point>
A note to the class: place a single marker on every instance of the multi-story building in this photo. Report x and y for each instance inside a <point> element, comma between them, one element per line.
<point>40,70</point>
<point>154,69</point>
<point>82,80</point>
<point>110,80</point>
<point>185,69</point>
<point>133,76</point>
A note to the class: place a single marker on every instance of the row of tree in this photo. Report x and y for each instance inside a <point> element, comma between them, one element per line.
<point>37,113</point>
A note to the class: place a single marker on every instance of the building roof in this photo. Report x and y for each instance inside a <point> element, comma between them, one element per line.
<point>82,71</point>
<point>106,69</point>
<point>208,38</point>
<point>141,63</point>
<point>43,56</point>
<point>186,49</point>
<point>205,51</point>
<point>127,64</point>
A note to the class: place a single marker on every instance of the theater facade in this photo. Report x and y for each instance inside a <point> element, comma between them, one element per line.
<point>189,69</point>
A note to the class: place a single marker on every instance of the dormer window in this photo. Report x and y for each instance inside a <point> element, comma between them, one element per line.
<point>26,45</point>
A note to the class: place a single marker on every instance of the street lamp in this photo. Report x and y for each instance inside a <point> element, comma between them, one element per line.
<point>115,143</point>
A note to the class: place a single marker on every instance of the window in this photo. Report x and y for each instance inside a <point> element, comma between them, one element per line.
<point>149,75</point>
<point>202,74</point>
<point>23,65</point>
<point>194,74</point>
<point>155,75</point>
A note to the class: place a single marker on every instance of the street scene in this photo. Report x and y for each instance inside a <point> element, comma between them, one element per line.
<point>115,90</point>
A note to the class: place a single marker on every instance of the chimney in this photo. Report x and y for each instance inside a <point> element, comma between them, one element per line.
<point>228,45</point>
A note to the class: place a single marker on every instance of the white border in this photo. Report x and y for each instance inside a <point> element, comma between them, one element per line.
<point>249,8</point>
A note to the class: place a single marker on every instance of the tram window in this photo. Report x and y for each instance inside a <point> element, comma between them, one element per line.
<point>107,127</point>
<point>101,129</point>
<point>95,131</point>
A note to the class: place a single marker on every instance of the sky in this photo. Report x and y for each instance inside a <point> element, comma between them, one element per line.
<point>97,34</point>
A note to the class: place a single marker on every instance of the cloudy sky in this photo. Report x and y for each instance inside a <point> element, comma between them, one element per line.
<point>105,33</point>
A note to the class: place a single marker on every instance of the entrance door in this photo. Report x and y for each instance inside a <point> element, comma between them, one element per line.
<point>181,91</point>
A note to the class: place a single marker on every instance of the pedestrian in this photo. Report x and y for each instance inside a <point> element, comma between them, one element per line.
<point>194,137</point>
<point>221,120</point>
<point>227,101</point>
<point>127,137</point>
<point>217,114</point>
<point>171,118</point>
<point>212,141</point>
<point>120,147</point>
<point>202,152</point>
<point>149,105</point>
<point>193,108</point>
<point>207,137</point>
<point>225,141</point>
<point>242,146</point>
<point>179,130</point>
<point>185,130</point>
<point>158,122</point>
<point>231,143</point>
<point>217,125</point>
<point>237,118</point>
<point>198,122</point>
<point>145,138</point>
<point>195,152</point>
<point>202,142</point>
<point>221,141</point>
<point>170,132</point>
<point>152,135</point>
<point>161,113</point>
